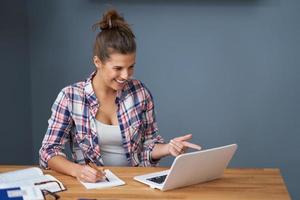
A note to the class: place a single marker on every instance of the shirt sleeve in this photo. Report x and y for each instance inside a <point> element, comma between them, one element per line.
<point>151,136</point>
<point>57,134</point>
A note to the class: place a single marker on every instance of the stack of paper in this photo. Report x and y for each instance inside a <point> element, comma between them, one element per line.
<point>27,183</point>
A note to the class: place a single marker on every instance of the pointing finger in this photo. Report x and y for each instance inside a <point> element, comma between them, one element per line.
<point>191,145</point>
<point>185,137</point>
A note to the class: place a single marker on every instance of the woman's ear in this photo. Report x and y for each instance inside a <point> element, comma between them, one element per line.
<point>97,62</point>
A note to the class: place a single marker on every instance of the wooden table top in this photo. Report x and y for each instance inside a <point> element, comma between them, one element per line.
<point>262,183</point>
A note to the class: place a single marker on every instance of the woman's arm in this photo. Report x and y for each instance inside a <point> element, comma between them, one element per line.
<point>175,147</point>
<point>63,165</point>
<point>84,173</point>
<point>58,133</point>
<point>59,126</point>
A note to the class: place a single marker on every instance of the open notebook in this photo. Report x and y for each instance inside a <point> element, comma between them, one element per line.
<point>30,177</point>
<point>112,181</point>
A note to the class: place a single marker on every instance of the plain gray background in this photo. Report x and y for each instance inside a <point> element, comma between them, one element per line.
<point>226,71</point>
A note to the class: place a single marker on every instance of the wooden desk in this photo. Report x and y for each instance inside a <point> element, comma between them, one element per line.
<point>236,184</point>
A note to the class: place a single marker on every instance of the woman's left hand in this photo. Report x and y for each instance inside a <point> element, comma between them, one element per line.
<point>178,145</point>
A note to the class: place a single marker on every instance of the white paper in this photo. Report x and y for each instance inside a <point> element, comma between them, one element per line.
<point>19,175</point>
<point>28,177</point>
<point>32,193</point>
<point>113,181</point>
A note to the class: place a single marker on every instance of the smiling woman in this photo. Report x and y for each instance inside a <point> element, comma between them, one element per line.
<point>114,72</point>
<point>109,118</point>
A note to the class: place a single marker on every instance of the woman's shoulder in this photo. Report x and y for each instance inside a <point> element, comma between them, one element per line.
<point>74,90</point>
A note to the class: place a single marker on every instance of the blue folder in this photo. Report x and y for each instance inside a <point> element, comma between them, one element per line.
<point>17,194</point>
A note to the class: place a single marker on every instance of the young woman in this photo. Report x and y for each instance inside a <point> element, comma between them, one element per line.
<point>109,118</point>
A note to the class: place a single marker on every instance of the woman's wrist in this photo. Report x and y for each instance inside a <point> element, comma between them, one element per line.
<point>166,149</point>
<point>159,151</point>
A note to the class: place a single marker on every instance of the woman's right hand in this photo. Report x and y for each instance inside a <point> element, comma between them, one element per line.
<point>88,174</point>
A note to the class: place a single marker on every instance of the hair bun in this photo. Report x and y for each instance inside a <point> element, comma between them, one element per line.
<point>115,36</point>
<point>111,19</point>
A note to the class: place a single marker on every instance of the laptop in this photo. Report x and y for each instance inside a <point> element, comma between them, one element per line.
<point>191,168</point>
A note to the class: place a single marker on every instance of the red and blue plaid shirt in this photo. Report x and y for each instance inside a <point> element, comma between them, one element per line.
<point>73,121</point>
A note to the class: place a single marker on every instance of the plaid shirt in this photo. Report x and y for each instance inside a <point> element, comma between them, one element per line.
<point>73,121</point>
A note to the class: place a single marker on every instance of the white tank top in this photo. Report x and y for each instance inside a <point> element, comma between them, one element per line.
<point>110,140</point>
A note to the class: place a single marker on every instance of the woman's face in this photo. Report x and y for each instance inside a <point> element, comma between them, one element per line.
<point>116,70</point>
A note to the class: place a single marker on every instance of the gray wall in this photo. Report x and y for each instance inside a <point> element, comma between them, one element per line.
<point>15,118</point>
<point>226,71</point>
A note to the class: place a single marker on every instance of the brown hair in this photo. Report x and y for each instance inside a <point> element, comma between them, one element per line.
<point>115,36</point>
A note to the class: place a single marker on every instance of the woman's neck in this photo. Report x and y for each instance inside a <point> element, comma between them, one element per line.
<point>100,88</point>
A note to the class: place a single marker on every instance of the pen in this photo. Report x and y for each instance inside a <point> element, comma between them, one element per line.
<point>92,165</point>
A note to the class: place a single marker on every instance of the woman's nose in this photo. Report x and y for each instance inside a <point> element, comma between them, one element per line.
<point>125,75</point>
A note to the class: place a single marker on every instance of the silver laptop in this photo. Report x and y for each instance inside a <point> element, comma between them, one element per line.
<point>191,168</point>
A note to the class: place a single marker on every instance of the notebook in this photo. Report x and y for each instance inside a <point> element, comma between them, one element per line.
<point>112,181</point>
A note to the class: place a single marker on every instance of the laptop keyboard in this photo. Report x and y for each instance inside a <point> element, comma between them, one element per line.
<point>158,179</point>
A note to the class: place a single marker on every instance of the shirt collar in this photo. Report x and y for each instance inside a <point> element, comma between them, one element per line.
<point>89,91</point>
